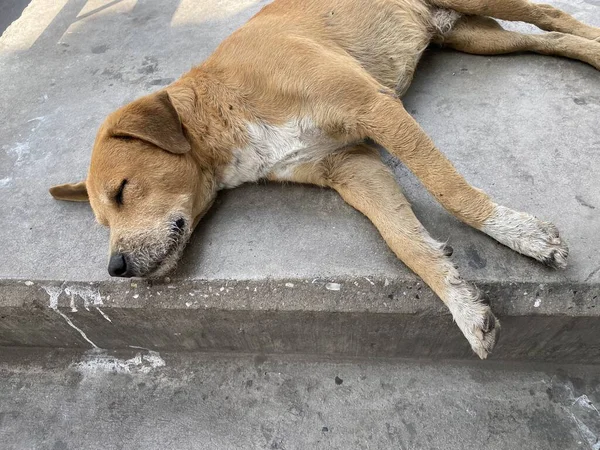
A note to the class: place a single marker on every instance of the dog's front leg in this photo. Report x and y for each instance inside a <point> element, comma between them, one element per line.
<point>387,123</point>
<point>364,182</point>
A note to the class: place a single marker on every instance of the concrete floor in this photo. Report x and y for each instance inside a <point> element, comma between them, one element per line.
<point>141,400</point>
<point>523,127</point>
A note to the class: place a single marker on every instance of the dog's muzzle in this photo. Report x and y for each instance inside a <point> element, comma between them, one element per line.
<point>146,260</point>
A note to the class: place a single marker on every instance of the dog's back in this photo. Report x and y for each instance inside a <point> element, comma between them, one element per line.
<point>386,37</point>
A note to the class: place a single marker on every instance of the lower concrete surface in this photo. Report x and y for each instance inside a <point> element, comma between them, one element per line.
<point>146,400</point>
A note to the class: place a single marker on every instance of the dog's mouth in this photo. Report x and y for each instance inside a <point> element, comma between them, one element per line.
<point>178,238</point>
<point>164,264</point>
<point>156,260</point>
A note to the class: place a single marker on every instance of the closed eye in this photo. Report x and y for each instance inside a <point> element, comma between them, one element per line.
<point>119,195</point>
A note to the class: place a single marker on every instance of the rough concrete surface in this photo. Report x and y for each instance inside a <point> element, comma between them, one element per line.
<point>364,317</point>
<point>146,400</point>
<point>522,127</point>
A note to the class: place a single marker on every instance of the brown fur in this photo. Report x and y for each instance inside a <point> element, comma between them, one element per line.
<point>331,71</point>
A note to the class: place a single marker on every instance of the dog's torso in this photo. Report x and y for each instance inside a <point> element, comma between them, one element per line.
<point>385,37</point>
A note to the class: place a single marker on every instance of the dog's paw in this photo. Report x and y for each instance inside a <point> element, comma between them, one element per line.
<point>474,317</point>
<point>527,235</point>
<point>485,334</point>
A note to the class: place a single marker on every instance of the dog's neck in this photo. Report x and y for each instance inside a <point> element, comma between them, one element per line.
<point>216,117</point>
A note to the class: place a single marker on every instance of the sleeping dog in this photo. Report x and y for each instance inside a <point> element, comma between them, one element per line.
<point>300,93</point>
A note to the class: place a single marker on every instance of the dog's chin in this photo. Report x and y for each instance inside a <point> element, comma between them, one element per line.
<point>163,269</point>
<point>167,264</point>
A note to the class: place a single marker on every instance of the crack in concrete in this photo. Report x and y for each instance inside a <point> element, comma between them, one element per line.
<point>54,292</point>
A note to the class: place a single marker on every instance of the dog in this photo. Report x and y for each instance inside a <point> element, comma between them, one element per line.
<point>301,93</point>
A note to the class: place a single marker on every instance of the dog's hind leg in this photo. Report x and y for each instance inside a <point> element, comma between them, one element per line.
<point>389,124</point>
<point>364,182</point>
<point>485,36</point>
<point>546,17</point>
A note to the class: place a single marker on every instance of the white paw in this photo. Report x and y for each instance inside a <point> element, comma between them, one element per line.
<point>473,316</point>
<point>527,235</point>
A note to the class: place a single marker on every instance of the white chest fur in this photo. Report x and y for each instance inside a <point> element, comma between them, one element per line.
<point>277,149</point>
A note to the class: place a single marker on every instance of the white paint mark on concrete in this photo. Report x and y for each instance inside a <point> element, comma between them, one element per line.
<point>89,295</point>
<point>99,363</point>
<point>582,410</point>
<point>103,314</point>
<point>29,283</point>
<point>154,359</point>
<point>72,325</point>
<point>72,303</point>
<point>586,433</point>
<point>537,303</point>
<point>54,292</point>
<point>39,121</point>
<point>5,182</point>
<point>333,286</point>
<point>20,150</point>
<point>584,400</point>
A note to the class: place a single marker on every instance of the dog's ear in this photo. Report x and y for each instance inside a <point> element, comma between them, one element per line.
<point>156,119</point>
<point>72,192</point>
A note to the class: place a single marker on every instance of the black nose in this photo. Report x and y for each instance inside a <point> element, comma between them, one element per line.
<point>117,266</point>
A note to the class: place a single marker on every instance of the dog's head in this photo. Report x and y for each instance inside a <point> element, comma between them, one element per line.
<point>146,183</point>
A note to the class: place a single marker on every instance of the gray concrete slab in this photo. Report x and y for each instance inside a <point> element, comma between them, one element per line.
<point>522,127</point>
<point>143,400</point>
<point>365,317</point>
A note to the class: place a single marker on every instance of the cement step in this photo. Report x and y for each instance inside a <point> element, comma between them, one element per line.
<point>147,400</point>
<point>352,317</point>
<point>288,269</point>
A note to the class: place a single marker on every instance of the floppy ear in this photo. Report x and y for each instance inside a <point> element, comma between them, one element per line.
<point>153,119</point>
<point>72,192</point>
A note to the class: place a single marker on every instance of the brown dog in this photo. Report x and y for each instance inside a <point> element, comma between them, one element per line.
<point>293,95</point>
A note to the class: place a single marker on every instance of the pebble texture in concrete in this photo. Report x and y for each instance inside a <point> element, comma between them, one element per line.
<point>145,400</point>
